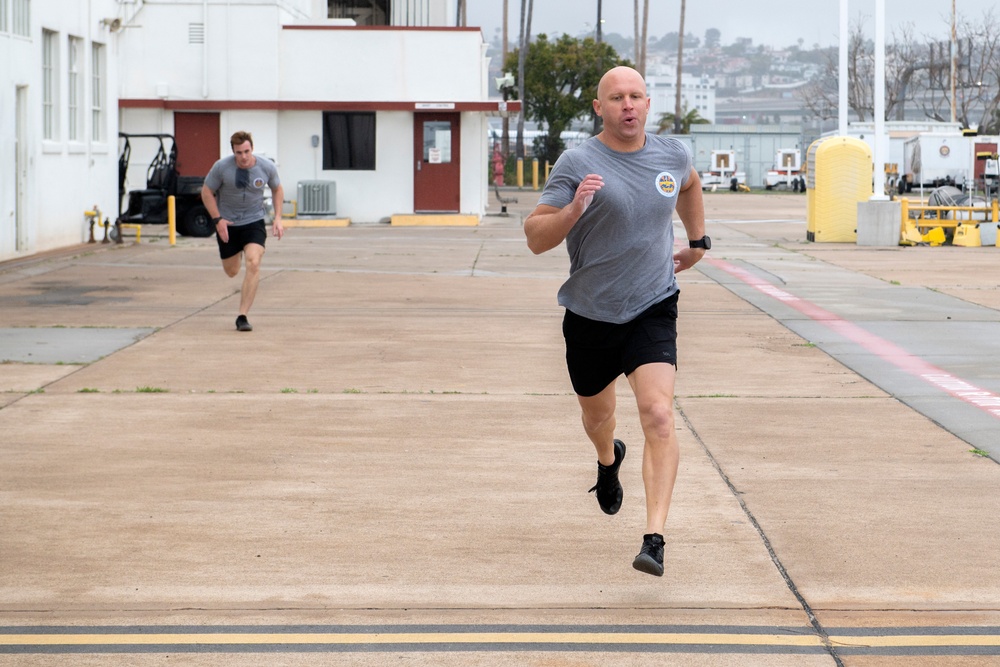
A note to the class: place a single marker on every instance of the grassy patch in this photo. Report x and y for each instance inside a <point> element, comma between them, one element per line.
<point>88,390</point>
<point>150,390</point>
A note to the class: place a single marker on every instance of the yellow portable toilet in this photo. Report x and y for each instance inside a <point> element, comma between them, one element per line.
<point>838,177</point>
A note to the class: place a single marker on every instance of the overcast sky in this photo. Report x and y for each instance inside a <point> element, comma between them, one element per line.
<point>776,23</point>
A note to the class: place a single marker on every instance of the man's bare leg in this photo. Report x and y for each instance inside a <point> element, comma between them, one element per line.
<point>653,385</point>
<point>252,253</point>
<point>599,422</point>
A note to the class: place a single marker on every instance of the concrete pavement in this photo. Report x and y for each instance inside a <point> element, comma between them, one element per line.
<point>391,467</point>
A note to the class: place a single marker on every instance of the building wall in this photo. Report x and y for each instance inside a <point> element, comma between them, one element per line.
<point>60,178</point>
<point>290,70</point>
<point>697,93</point>
<point>755,146</point>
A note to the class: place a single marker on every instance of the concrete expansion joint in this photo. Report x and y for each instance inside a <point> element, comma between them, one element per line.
<point>775,559</point>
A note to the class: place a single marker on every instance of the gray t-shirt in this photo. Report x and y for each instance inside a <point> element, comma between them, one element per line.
<point>240,192</point>
<point>621,248</point>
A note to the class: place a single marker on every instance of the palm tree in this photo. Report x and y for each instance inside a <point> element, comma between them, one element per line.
<point>687,119</point>
<point>680,58</point>
<point>641,36</point>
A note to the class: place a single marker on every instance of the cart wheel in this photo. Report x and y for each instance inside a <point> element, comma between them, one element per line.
<point>115,233</point>
<point>196,223</point>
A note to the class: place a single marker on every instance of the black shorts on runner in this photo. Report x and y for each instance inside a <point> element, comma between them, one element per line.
<point>240,236</point>
<point>598,352</point>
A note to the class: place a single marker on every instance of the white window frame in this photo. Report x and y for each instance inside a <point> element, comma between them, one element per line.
<point>50,85</point>
<point>97,91</point>
<point>74,88</point>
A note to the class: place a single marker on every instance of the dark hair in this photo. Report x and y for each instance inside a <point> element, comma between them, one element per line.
<point>240,137</point>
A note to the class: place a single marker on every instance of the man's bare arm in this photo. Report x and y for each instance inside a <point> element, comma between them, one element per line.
<point>547,226</point>
<point>691,209</point>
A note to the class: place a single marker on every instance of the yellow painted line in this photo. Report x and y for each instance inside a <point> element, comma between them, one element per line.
<point>487,638</point>
<point>896,641</point>
<point>412,638</point>
<point>434,220</point>
<point>300,222</point>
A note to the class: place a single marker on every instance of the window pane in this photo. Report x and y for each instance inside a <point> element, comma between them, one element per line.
<point>364,12</point>
<point>97,92</point>
<point>74,89</point>
<point>22,18</point>
<point>50,83</point>
<point>349,140</point>
<point>437,142</point>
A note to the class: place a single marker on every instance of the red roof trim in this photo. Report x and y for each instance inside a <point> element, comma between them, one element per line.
<point>385,28</point>
<point>513,106</point>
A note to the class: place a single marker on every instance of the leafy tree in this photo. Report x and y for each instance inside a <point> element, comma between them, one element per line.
<point>713,38</point>
<point>560,84</point>
<point>917,74</point>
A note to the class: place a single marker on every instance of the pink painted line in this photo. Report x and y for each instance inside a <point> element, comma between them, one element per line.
<point>890,352</point>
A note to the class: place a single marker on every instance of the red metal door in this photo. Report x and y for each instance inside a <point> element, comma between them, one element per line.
<point>197,136</point>
<point>980,165</point>
<point>437,170</point>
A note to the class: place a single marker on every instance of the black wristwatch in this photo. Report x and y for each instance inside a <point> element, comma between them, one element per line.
<point>215,221</point>
<point>703,242</point>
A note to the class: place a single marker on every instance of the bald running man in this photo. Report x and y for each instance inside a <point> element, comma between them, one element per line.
<point>612,200</point>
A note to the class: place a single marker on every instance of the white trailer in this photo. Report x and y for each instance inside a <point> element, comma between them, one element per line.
<point>933,159</point>
<point>786,171</point>
<point>722,170</point>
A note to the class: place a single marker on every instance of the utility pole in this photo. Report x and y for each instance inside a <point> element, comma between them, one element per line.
<point>505,137</point>
<point>954,59</point>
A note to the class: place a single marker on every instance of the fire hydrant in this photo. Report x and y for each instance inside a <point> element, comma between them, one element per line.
<point>497,166</point>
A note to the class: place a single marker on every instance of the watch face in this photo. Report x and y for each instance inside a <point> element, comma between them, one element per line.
<point>703,242</point>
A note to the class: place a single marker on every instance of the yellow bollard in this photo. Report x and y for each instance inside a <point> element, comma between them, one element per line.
<point>172,219</point>
<point>520,172</point>
<point>996,220</point>
<point>534,173</point>
<point>967,236</point>
<point>935,236</point>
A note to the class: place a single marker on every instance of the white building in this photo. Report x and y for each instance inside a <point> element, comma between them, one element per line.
<point>58,121</point>
<point>697,93</point>
<point>387,99</point>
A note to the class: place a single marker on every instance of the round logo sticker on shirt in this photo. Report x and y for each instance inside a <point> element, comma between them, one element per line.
<point>258,182</point>
<point>666,184</point>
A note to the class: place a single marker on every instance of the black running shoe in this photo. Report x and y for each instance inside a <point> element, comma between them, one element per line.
<point>650,558</point>
<point>242,324</point>
<point>609,489</point>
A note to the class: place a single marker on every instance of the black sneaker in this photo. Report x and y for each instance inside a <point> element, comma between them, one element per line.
<point>609,489</point>
<point>242,324</point>
<point>650,558</point>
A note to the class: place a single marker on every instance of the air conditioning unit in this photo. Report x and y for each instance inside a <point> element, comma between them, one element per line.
<point>317,198</point>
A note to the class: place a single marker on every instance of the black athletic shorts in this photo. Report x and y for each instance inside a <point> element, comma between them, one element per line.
<point>598,352</point>
<point>240,236</point>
